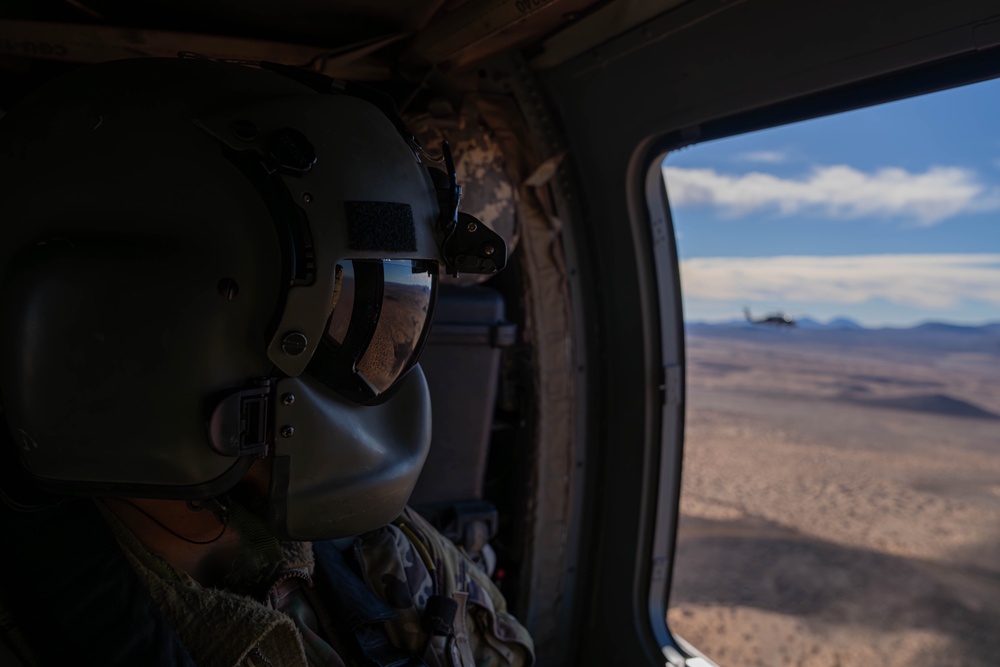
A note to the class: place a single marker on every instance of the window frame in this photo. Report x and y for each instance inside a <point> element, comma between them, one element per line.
<point>911,82</point>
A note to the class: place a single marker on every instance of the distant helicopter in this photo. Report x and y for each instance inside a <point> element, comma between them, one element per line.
<point>778,319</point>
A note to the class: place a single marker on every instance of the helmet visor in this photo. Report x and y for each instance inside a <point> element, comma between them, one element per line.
<point>381,313</point>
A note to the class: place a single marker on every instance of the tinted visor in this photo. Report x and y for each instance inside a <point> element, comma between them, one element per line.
<point>381,312</point>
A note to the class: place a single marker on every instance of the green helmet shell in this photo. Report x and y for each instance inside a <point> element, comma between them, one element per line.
<point>171,234</point>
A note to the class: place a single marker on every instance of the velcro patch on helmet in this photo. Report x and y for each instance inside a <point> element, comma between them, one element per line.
<point>380,226</point>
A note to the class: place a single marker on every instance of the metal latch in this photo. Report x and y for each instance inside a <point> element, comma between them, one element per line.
<point>240,422</point>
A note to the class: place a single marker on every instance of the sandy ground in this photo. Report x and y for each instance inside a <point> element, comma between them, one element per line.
<point>839,508</point>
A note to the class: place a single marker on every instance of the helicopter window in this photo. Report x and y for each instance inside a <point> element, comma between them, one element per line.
<point>840,500</point>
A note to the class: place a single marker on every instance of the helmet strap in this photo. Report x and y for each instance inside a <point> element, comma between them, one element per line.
<point>220,511</point>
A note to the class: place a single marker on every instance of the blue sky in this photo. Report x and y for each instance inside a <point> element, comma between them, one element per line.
<point>889,215</point>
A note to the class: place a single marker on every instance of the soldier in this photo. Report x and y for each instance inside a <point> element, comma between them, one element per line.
<point>216,282</point>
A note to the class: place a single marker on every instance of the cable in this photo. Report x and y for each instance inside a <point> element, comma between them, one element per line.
<point>220,510</point>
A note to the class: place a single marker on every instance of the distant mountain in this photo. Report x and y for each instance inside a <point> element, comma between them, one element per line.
<point>846,323</point>
<point>843,323</point>
<point>843,333</point>
<point>727,323</point>
<point>943,327</point>
<point>836,323</point>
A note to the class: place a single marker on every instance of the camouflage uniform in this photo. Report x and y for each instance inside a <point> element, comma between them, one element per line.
<point>326,608</point>
<point>408,563</point>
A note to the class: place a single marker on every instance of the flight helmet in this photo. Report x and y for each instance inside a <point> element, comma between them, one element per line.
<point>203,264</point>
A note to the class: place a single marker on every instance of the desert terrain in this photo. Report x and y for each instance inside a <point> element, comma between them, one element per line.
<point>841,498</point>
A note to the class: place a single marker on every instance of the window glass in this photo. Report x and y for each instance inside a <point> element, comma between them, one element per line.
<point>841,484</point>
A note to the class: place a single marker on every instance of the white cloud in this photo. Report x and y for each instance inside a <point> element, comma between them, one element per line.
<point>837,191</point>
<point>924,281</point>
<point>767,157</point>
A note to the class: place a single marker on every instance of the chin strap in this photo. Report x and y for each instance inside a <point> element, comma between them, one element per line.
<point>221,512</point>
